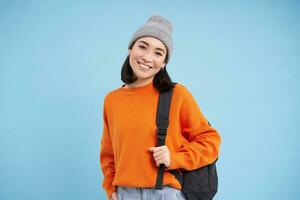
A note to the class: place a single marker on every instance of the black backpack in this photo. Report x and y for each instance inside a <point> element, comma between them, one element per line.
<point>198,184</point>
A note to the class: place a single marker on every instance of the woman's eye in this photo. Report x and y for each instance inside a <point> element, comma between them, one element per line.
<point>142,47</point>
<point>157,53</point>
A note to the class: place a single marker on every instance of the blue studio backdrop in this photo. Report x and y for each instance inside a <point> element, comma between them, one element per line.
<point>58,59</point>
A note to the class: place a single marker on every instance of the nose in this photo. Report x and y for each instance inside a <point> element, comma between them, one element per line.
<point>147,57</point>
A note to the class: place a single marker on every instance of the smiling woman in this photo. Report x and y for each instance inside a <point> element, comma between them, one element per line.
<point>150,47</point>
<point>130,155</point>
<point>146,58</point>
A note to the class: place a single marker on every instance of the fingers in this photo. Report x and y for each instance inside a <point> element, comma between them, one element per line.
<point>114,196</point>
<point>161,155</point>
<point>161,161</point>
<point>157,149</point>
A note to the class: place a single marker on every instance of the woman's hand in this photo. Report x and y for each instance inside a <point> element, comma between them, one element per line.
<point>161,155</point>
<point>114,196</point>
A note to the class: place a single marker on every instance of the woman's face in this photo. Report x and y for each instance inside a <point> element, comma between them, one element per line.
<point>146,58</point>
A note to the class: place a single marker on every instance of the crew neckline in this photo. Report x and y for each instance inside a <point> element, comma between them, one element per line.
<point>147,87</point>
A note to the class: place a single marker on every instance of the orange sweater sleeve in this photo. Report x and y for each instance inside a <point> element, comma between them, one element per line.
<point>203,143</point>
<point>107,157</point>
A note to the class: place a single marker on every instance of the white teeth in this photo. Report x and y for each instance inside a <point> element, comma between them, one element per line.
<point>144,66</point>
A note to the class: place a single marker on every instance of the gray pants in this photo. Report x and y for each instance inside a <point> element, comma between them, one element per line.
<point>167,193</point>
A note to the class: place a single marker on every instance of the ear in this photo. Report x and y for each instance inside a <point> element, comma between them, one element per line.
<point>129,51</point>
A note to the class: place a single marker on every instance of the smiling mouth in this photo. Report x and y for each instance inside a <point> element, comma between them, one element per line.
<point>143,65</point>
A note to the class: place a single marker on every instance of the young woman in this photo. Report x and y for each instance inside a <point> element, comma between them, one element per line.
<point>129,157</point>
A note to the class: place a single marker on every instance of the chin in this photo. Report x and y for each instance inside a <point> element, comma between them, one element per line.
<point>141,77</point>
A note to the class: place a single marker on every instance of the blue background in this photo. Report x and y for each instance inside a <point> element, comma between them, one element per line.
<point>59,58</point>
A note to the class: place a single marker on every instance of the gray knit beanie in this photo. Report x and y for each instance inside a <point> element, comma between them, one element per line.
<point>157,27</point>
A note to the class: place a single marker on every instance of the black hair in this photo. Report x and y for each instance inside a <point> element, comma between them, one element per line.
<point>161,81</point>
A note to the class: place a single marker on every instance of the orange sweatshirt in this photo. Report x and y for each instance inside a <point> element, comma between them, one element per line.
<point>129,129</point>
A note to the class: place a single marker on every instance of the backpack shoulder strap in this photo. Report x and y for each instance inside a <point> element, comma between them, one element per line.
<point>162,123</point>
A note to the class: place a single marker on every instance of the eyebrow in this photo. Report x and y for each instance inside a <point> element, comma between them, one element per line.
<point>148,45</point>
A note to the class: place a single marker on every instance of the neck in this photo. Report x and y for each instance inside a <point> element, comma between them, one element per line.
<point>138,83</point>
